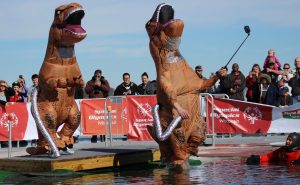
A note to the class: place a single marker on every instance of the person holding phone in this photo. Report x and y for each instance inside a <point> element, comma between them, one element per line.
<point>97,87</point>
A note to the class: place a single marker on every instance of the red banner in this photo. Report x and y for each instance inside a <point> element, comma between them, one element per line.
<point>94,117</point>
<point>19,120</point>
<point>238,117</point>
<point>140,116</point>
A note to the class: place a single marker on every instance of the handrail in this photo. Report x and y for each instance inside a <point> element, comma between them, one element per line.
<point>212,110</point>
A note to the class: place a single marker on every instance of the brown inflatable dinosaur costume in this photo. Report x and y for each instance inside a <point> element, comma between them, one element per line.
<point>178,89</point>
<point>58,78</point>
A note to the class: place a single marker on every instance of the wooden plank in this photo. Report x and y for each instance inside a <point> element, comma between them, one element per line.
<point>115,160</point>
<point>24,165</point>
<point>79,164</point>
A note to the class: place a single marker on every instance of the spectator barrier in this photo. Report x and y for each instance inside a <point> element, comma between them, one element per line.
<point>204,97</point>
<point>131,115</point>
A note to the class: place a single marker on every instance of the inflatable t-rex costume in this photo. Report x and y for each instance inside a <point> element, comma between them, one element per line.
<point>58,78</point>
<point>178,89</point>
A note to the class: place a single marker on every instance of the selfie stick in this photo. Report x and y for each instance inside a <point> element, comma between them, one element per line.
<point>247,30</point>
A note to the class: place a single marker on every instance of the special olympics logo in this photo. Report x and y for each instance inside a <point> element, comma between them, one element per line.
<point>252,114</point>
<point>4,121</point>
<point>144,109</point>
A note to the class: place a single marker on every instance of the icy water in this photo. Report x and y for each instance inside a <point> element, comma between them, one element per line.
<point>226,171</point>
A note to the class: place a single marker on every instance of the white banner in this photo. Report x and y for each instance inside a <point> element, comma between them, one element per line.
<point>285,119</point>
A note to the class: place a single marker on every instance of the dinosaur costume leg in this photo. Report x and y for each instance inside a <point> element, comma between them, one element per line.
<point>186,137</point>
<point>191,132</point>
<point>48,117</point>
<point>72,123</point>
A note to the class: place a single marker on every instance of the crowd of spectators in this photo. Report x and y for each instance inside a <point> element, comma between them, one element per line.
<point>271,85</point>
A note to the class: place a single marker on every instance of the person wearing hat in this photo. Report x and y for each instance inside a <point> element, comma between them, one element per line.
<point>17,97</point>
<point>198,71</point>
<point>5,92</point>
<point>285,99</point>
<point>290,153</point>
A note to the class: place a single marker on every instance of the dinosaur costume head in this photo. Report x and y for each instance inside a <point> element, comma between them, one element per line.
<point>163,19</point>
<point>66,27</point>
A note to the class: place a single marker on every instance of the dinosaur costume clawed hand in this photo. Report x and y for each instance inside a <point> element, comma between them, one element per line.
<point>178,89</point>
<point>59,75</point>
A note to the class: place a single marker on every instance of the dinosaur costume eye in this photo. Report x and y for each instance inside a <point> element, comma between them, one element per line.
<point>58,12</point>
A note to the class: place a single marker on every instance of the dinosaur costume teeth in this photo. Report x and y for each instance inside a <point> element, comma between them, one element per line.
<point>53,103</point>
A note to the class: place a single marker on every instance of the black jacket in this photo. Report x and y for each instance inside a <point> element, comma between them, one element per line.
<point>123,90</point>
<point>8,93</point>
<point>150,88</point>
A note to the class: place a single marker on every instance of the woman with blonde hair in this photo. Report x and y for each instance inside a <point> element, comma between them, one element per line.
<point>252,84</point>
<point>23,88</point>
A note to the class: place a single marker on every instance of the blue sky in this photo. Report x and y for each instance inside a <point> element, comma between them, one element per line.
<point>117,41</point>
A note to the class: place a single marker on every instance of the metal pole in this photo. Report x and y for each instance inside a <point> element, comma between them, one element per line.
<point>110,124</point>
<point>105,125</point>
<point>213,120</point>
<point>10,135</point>
<point>212,117</point>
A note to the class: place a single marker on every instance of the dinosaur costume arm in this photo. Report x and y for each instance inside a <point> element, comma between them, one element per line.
<point>207,83</point>
<point>51,83</point>
<point>54,82</point>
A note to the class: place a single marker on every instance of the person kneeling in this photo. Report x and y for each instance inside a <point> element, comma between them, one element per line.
<point>290,153</point>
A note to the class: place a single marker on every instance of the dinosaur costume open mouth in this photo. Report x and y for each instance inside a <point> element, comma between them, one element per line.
<point>72,22</point>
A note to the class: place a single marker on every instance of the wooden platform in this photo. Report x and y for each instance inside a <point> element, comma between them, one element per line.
<point>83,159</point>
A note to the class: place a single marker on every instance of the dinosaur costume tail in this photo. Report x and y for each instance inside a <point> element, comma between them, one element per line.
<point>157,125</point>
<point>41,127</point>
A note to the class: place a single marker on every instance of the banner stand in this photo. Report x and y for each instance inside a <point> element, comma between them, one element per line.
<point>110,124</point>
<point>212,110</point>
<point>10,136</point>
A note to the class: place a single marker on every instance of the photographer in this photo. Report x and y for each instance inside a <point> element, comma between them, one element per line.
<point>98,86</point>
<point>295,82</point>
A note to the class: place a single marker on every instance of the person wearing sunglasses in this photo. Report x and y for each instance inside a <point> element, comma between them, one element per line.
<point>286,76</point>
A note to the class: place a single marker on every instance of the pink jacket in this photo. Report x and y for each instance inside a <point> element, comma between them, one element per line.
<point>277,63</point>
